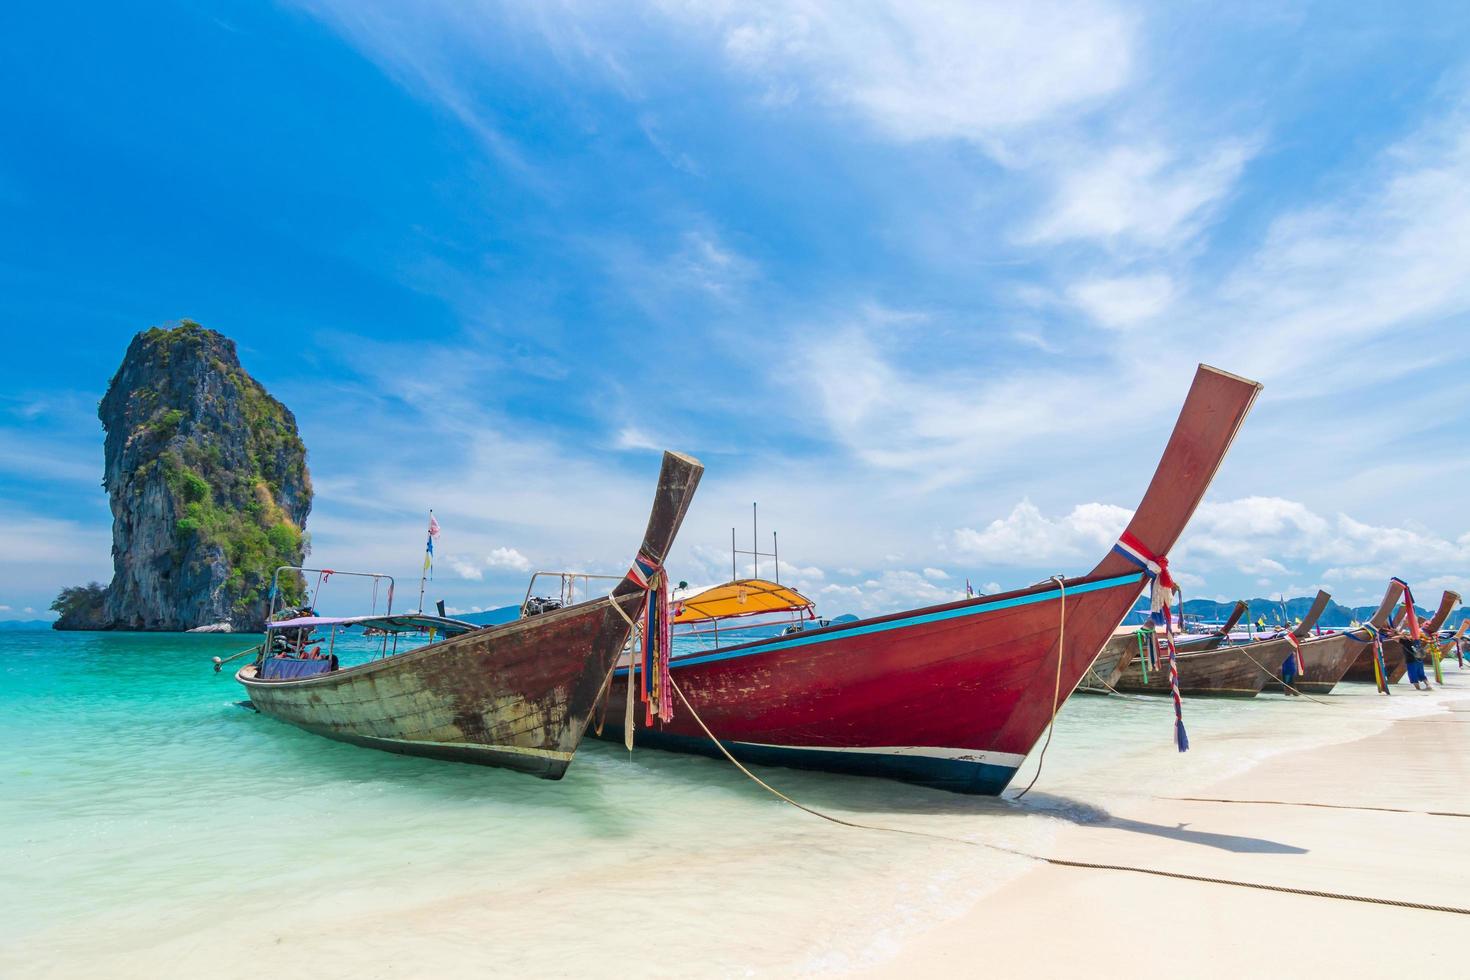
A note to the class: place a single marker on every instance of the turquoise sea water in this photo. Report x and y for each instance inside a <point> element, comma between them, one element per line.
<point>149,826</point>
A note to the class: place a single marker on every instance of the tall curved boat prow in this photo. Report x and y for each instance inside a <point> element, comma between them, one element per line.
<point>1393,654</point>
<point>951,696</point>
<point>517,695</point>
<point>1324,658</point>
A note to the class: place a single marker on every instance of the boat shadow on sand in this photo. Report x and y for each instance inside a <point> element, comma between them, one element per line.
<point>869,801</point>
<point>598,785</point>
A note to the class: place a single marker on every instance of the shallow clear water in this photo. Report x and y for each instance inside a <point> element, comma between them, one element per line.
<point>148,825</point>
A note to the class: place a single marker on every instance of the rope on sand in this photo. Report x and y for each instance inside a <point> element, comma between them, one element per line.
<point>1059,862</point>
<point>1325,806</point>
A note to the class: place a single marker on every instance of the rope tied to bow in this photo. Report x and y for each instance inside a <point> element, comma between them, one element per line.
<point>655,691</point>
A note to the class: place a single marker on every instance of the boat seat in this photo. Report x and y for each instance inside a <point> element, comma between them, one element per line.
<point>289,668</point>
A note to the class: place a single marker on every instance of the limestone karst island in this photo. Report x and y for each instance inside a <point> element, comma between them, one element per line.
<point>207,480</point>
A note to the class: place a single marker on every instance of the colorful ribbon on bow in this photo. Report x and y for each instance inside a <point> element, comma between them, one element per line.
<point>1296,652</point>
<point>655,688</point>
<point>1410,616</point>
<point>1156,567</point>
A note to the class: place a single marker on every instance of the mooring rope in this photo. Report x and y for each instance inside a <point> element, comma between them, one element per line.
<point>1265,670</point>
<point>1060,862</point>
<point>1056,697</point>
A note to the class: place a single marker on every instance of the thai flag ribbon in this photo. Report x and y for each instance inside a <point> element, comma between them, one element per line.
<point>1156,567</point>
<point>645,567</point>
<point>655,686</point>
<point>1410,615</point>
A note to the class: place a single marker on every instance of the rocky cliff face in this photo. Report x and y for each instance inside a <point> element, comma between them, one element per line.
<point>207,480</point>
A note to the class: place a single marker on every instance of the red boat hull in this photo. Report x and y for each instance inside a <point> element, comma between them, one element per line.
<point>951,696</point>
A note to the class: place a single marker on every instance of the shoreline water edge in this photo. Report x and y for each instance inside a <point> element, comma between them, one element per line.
<point>156,828</point>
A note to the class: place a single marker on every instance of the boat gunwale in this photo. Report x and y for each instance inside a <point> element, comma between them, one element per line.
<point>357,670</point>
<point>1042,592</point>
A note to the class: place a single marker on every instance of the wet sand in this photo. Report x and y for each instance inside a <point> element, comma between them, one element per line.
<point>1063,921</point>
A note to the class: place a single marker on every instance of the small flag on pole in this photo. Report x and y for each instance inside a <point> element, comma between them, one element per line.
<point>429,545</point>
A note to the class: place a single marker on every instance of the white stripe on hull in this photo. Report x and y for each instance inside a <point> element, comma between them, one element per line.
<point>1007,759</point>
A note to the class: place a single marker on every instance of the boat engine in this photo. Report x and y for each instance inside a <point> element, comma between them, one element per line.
<point>536,605</point>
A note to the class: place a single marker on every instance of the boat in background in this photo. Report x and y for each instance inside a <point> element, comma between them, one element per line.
<point>1128,643</point>
<point>1393,654</point>
<point>517,695</point>
<point>1325,658</point>
<point>955,695</point>
<point>1216,668</point>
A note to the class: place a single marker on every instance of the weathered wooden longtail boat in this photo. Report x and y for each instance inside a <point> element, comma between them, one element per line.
<point>1393,653</point>
<point>1325,659</point>
<point>1122,651</point>
<point>1217,638</point>
<point>955,695</point>
<point>1362,666</point>
<point>1271,653</point>
<point>1220,671</point>
<point>517,695</point>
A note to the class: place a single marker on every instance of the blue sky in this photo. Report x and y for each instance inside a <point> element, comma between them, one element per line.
<point>926,280</point>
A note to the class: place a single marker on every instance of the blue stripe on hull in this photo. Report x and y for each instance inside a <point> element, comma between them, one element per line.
<point>865,627</point>
<point>953,775</point>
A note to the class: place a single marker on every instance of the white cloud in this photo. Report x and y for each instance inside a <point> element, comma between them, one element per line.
<point>4,609</point>
<point>946,69</point>
<point>1123,301</point>
<point>1243,534</point>
<point>1027,537</point>
<point>508,558</point>
<point>466,570</point>
<point>798,573</point>
<point>631,437</point>
<point>1133,195</point>
<point>935,574</point>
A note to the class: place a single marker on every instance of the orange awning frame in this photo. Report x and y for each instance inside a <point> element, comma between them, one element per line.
<point>743,597</point>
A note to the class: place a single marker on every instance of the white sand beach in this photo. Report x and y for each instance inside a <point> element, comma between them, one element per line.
<point>1143,926</point>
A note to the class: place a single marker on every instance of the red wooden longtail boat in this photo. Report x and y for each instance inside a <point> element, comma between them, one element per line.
<point>517,695</point>
<point>951,696</point>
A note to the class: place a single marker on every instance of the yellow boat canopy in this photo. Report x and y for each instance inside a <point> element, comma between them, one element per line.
<point>745,597</point>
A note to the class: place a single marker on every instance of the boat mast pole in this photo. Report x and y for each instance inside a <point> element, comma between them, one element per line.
<point>755,543</point>
<point>424,572</point>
